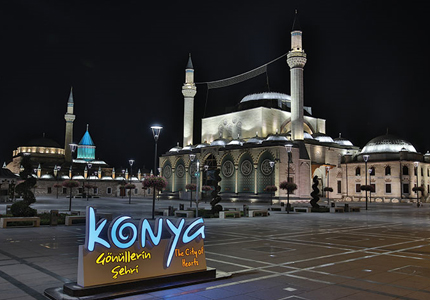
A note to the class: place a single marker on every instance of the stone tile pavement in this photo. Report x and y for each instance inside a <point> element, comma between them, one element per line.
<point>382,253</point>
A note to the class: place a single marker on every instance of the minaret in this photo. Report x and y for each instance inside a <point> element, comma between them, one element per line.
<point>189,90</point>
<point>69,117</point>
<point>296,60</point>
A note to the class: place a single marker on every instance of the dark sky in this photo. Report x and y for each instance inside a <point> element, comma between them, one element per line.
<point>367,70</point>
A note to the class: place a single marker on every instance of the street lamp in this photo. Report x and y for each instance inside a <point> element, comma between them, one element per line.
<point>370,184</point>
<point>131,162</point>
<point>192,157</point>
<point>416,176</point>
<point>272,165</point>
<point>56,170</point>
<point>288,147</point>
<point>206,167</point>
<point>73,148</point>
<point>365,158</point>
<point>328,185</point>
<point>156,130</point>
<point>88,177</point>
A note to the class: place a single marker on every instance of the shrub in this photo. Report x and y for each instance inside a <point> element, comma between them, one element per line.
<point>191,187</point>
<point>328,189</point>
<point>367,188</point>
<point>21,209</point>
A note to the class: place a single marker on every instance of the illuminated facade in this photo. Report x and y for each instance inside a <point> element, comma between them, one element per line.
<point>394,168</point>
<point>244,143</point>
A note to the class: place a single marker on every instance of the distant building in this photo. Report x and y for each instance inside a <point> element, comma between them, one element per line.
<point>52,164</point>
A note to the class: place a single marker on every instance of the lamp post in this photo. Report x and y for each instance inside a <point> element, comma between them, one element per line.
<point>365,158</point>
<point>272,165</point>
<point>73,148</point>
<point>288,147</point>
<point>88,177</point>
<point>192,157</point>
<point>416,176</point>
<point>56,170</point>
<point>370,185</point>
<point>156,130</point>
<point>131,162</point>
<point>328,185</point>
<point>206,167</point>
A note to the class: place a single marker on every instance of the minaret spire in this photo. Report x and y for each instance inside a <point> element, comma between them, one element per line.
<point>189,90</point>
<point>296,60</point>
<point>69,117</point>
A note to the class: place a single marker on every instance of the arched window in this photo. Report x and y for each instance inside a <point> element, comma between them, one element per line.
<point>357,171</point>
<point>372,171</point>
<point>405,170</point>
<point>387,170</point>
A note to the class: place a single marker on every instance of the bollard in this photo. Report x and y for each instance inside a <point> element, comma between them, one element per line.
<point>346,207</point>
<point>54,218</point>
<point>181,207</point>
<point>170,210</point>
<point>8,211</point>
<point>245,210</point>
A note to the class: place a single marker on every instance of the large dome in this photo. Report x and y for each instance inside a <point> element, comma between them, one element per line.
<point>387,143</point>
<point>43,142</point>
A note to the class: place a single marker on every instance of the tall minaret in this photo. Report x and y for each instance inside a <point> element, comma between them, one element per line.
<point>69,117</point>
<point>189,90</point>
<point>296,60</point>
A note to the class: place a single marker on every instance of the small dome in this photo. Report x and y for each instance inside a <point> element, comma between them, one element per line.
<point>387,143</point>
<point>220,142</point>
<point>188,148</point>
<point>176,148</point>
<point>237,142</point>
<point>202,145</point>
<point>307,136</point>
<point>322,138</point>
<point>343,142</point>
<point>276,137</point>
<point>255,140</point>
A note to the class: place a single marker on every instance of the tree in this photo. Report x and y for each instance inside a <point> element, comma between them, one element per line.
<point>156,183</point>
<point>271,188</point>
<point>70,184</point>
<point>22,208</point>
<point>288,186</point>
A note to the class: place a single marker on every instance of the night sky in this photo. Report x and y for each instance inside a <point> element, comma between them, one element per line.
<point>367,70</point>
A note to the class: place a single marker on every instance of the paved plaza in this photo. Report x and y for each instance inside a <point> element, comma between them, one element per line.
<point>382,253</point>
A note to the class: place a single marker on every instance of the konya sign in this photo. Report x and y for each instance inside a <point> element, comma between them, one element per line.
<point>123,251</point>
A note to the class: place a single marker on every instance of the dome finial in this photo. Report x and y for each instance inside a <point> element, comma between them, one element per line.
<point>296,24</point>
<point>190,62</point>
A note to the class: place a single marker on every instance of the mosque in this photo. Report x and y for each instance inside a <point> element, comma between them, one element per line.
<point>272,137</point>
<point>267,139</point>
<point>53,163</point>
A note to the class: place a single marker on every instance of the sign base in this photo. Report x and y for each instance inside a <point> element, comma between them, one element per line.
<point>74,291</point>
